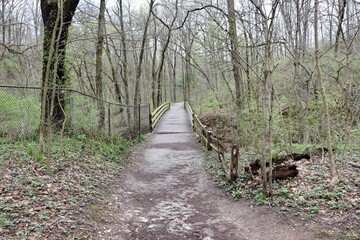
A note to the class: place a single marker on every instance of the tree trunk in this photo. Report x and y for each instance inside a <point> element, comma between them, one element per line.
<point>3,21</point>
<point>153,68</point>
<point>342,7</point>
<point>137,97</point>
<point>56,80</point>
<point>159,71</point>
<point>113,75</point>
<point>188,72</point>
<point>238,78</point>
<point>174,77</point>
<point>125,62</point>
<point>99,69</point>
<point>334,173</point>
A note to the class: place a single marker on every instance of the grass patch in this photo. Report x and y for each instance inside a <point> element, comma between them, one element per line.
<point>323,233</point>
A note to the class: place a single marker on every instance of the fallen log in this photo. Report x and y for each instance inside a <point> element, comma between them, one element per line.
<point>285,172</point>
<point>319,151</point>
<point>298,157</point>
<point>294,157</point>
<point>255,166</point>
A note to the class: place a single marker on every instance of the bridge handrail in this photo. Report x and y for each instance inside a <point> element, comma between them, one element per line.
<point>157,114</point>
<point>212,142</point>
<point>190,112</point>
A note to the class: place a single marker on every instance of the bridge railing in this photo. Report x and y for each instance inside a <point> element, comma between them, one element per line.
<point>157,114</point>
<point>212,142</point>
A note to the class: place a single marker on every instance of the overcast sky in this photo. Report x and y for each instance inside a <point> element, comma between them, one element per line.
<point>134,3</point>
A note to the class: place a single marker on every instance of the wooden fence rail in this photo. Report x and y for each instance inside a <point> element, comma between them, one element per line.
<point>157,114</point>
<point>212,142</point>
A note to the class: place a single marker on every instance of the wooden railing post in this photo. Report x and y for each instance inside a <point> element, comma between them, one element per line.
<point>234,162</point>
<point>220,152</point>
<point>203,136</point>
<point>193,121</point>
<point>208,140</point>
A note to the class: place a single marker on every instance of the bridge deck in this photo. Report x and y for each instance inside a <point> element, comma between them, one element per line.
<point>175,120</point>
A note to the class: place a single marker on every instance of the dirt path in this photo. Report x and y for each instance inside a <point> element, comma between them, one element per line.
<point>165,193</point>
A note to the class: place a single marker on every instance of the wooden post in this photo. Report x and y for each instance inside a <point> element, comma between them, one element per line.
<point>222,160</point>
<point>234,162</point>
<point>203,136</point>
<point>220,151</point>
<point>193,121</point>
<point>208,140</point>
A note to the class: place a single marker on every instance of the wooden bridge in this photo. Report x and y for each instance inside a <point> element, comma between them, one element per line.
<point>177,120</point>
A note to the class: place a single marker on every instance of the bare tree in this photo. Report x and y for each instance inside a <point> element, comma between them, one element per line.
<point>137,96</point>
<point>238,77</point>
<point>267,91</point>
<point>339,31</point>
<point>99,67</point>
<point>159,70</point>
<point>323,95</point>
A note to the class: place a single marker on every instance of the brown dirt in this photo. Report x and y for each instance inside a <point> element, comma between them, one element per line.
<point>165,193</point>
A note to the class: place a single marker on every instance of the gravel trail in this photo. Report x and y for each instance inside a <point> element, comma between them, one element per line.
<point>165,193</point>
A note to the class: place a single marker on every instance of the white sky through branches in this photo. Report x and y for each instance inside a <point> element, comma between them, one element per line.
<point>134,4</point>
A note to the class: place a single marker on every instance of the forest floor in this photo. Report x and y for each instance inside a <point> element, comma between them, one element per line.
<point>41,199</point>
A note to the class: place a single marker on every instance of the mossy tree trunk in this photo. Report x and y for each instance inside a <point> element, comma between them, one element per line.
<point>54,73</point>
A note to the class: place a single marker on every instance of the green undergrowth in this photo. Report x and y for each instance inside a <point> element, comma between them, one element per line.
<point>44,198</point>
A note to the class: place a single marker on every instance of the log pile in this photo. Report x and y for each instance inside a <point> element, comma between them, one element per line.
<point>281,170</point>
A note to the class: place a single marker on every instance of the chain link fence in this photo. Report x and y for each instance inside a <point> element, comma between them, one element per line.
<point>20,113</point>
